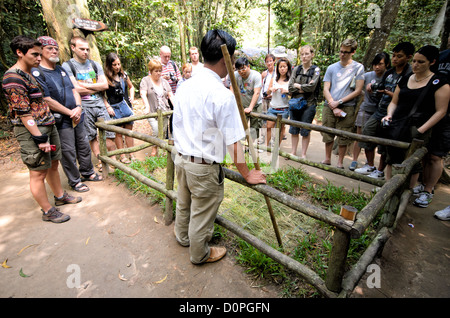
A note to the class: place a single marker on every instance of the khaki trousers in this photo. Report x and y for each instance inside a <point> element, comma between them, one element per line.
<point>200,193</point>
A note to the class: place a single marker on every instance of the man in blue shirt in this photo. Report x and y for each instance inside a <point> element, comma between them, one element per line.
<point>65,103</point>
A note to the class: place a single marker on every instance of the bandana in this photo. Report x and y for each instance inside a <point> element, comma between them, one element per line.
<point>46,40</point>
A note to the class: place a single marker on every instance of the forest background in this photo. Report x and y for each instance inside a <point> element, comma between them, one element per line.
<point>138,28</point>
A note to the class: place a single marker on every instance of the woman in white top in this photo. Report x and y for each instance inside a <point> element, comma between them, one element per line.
<point>278,87</point>
<point>155,93</point>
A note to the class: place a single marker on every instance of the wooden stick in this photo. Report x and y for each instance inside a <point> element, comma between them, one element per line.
<point>229,65</point>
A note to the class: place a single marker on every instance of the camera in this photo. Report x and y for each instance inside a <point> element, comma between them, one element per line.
<point>172,77</point>
<point>378,87</point>
<point>385,122</point>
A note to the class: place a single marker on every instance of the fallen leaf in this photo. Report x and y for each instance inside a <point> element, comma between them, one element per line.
<point>22,274</point>
<point>4,264</point>
<point>87,241</point>
<point>121,277</point>
<point>25,248</point>
<point>160,281</point>
<point>155,219</point>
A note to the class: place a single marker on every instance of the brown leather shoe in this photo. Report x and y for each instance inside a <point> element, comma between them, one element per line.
<point>216,254</point>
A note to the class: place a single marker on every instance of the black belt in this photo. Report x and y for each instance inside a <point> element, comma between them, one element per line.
<point>197,160</point>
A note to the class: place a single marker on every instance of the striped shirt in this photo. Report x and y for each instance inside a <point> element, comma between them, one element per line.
<point>170,70</point>
<point>25,97</point>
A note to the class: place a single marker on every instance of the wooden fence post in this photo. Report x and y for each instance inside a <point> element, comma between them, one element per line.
<point>336,263</point>
<point>339,251</point>
<point>170,174</point>
<point>103,149</point>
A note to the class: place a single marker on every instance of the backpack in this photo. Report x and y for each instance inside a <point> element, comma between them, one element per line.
<point>310,75</point>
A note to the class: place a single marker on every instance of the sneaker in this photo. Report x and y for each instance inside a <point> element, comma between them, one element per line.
<point>366,169</point>
<point>444,214</point>
<point>67,199</point>
<point>353,166</point>
<point>54,215</point>
<point>377,174</point>
<point>418,189</point>
<point>423,200</point>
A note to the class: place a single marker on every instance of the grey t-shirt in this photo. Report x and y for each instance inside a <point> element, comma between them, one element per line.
<point>342,79</point>
<point>85,73</point>
<point>247,87</point>
<point>370,103</point>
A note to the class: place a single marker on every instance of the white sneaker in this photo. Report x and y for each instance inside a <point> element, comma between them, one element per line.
<point>423,200</point>
<point>366,169</point>
<point>444,214</point>
<point>418,189</point>
<point>377,174</point>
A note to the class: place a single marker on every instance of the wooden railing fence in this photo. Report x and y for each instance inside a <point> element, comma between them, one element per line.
<point>392,197</point>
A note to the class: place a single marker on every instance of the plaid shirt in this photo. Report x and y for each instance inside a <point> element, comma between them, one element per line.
<point>25,97</point>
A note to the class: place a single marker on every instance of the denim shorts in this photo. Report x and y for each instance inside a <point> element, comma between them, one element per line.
<point>284,112</point>
<point>305,115</point>
<point>122,110</point>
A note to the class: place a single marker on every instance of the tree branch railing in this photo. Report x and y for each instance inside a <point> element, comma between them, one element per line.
<point>392,196</point>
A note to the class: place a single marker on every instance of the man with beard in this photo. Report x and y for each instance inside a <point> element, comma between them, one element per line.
<point>65,103</point>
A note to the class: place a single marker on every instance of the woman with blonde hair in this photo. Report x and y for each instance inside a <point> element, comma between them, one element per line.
<point>187,73</point>
<point>156,93</point>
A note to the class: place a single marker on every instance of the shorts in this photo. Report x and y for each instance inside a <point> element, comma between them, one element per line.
<point>92,114</point>
<point>372,127</point>
<point>305,115</point>
<point>362,118</point>
<point>122,110</point>
<point>342,123</point>
<point>34,158</point>
<point>284,112</point>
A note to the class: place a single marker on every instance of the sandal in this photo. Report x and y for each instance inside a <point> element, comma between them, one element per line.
<point>81,187</point>
<point>99,167</point>
<point>125,160</point>
<point>96,177</point>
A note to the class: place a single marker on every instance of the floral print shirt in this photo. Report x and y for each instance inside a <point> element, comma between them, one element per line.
<point>25,97</point>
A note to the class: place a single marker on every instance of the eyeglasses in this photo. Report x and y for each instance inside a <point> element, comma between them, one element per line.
<point>345,52</point>
<point>242,69</point>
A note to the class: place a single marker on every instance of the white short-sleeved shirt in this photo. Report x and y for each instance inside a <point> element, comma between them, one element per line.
<point>341,78</point>
<point>206,118</point>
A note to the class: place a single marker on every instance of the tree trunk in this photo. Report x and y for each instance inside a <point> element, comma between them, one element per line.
<point>380,35</point>
<point>59,14</point>
<point>446,32</point>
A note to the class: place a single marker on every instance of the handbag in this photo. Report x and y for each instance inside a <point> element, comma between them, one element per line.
<point>400,130</point>
<point>297,103</point>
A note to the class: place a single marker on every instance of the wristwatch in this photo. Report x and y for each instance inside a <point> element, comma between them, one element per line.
<point>80,106</point>
<point>341,102</point>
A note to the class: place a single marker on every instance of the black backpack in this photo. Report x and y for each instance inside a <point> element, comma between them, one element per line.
<point>310,75</point>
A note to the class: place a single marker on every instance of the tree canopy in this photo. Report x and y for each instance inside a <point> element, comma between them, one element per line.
<point>138,28</point>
